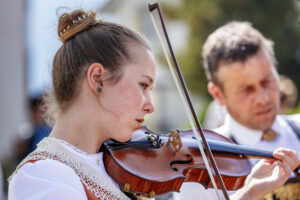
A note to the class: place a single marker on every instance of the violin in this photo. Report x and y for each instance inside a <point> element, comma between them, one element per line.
<point>155,164</point>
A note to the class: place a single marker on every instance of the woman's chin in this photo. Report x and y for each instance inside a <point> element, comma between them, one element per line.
<point>125,138</point>
<point>125,135</point>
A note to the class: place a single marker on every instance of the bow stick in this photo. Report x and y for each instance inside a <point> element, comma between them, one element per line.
<point>152,7</point>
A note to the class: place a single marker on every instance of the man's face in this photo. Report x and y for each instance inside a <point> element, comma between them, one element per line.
<point>250,91</point>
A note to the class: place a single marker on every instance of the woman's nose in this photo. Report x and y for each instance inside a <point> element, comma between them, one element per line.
<point>149,107</point>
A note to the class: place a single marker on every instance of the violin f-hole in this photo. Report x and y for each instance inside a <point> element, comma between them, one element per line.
<point>181,162</point>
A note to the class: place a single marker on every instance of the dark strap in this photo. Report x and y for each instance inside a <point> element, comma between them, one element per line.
<point>233,139</point>
<point>294,125</point>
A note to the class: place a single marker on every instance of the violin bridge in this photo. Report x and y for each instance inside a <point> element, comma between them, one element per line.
<point>175,140</point>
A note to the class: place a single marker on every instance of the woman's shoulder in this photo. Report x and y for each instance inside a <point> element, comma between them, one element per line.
<point>54,167</point>
<point>48,168</point>
<point>54,178</point>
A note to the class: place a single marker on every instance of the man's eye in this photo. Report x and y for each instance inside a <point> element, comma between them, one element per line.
<point>266,83</point>
<point>249,89</point>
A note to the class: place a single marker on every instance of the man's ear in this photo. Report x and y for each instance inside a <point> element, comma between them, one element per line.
<point>95,77</point>
<point>216,93</point>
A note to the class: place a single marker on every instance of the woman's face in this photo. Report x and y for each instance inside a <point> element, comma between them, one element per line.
<point>126,102</point>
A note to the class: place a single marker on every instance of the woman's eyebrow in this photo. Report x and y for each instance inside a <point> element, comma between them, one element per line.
<point>149,78</point>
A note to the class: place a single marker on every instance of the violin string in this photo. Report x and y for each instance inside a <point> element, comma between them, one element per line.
<point>186,107</point>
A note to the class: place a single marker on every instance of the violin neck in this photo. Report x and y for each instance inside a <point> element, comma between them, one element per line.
<point>229,148</point>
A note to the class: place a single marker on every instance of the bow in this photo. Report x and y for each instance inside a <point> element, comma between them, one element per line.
<point>189,108</point>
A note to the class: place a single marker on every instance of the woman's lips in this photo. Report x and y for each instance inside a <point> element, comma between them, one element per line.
<point>140,120</point>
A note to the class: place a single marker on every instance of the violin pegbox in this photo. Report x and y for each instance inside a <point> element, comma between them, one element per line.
<point>154,140</point>
<point>175,140</point>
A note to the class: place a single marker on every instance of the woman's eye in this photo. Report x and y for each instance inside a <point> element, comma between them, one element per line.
<point>144,85</point>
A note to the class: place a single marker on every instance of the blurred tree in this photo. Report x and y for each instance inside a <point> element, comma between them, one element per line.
<point>276,19</point>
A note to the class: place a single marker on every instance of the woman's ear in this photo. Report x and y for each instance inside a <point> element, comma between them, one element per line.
<point>216,93</point>
<point>95,77</point>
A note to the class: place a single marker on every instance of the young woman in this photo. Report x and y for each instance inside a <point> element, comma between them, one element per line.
<point>102,78</point>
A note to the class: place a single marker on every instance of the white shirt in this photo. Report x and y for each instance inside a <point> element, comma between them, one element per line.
<point>55,179</point>
<point>286,137</point>
<point>50,179</point>
<point>245,136</point>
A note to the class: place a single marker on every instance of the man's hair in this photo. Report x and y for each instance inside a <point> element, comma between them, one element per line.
<point>235,41</point>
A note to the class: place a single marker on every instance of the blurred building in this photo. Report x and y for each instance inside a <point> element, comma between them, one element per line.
<point>12,71</point>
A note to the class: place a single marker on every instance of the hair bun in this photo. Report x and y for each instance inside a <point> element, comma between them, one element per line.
<point>72,23</point>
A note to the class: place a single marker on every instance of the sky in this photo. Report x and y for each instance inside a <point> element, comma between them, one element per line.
<point>41,38</point>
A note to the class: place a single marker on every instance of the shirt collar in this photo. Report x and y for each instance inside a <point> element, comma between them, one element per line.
<point>242,134</point>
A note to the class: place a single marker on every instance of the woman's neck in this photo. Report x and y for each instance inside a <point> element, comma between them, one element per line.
<point>76,127</point>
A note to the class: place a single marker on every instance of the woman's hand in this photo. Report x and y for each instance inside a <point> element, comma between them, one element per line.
<point>268,175</point>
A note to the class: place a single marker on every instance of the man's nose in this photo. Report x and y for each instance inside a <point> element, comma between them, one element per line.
<point>262,96</point>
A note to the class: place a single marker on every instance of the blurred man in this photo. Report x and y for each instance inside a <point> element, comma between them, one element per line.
<point>40,127</point>
<point>288,94</point>
<point>241,68</point>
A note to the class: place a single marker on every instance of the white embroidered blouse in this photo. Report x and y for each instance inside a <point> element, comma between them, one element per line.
<point>63,176</point>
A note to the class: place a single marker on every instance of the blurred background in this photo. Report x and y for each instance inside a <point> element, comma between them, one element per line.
<point>28,42</point>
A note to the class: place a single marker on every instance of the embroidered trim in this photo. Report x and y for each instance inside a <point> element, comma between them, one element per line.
<point>50,148</point>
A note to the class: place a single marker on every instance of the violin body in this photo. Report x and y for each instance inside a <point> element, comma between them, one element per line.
<point>166,162</point>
